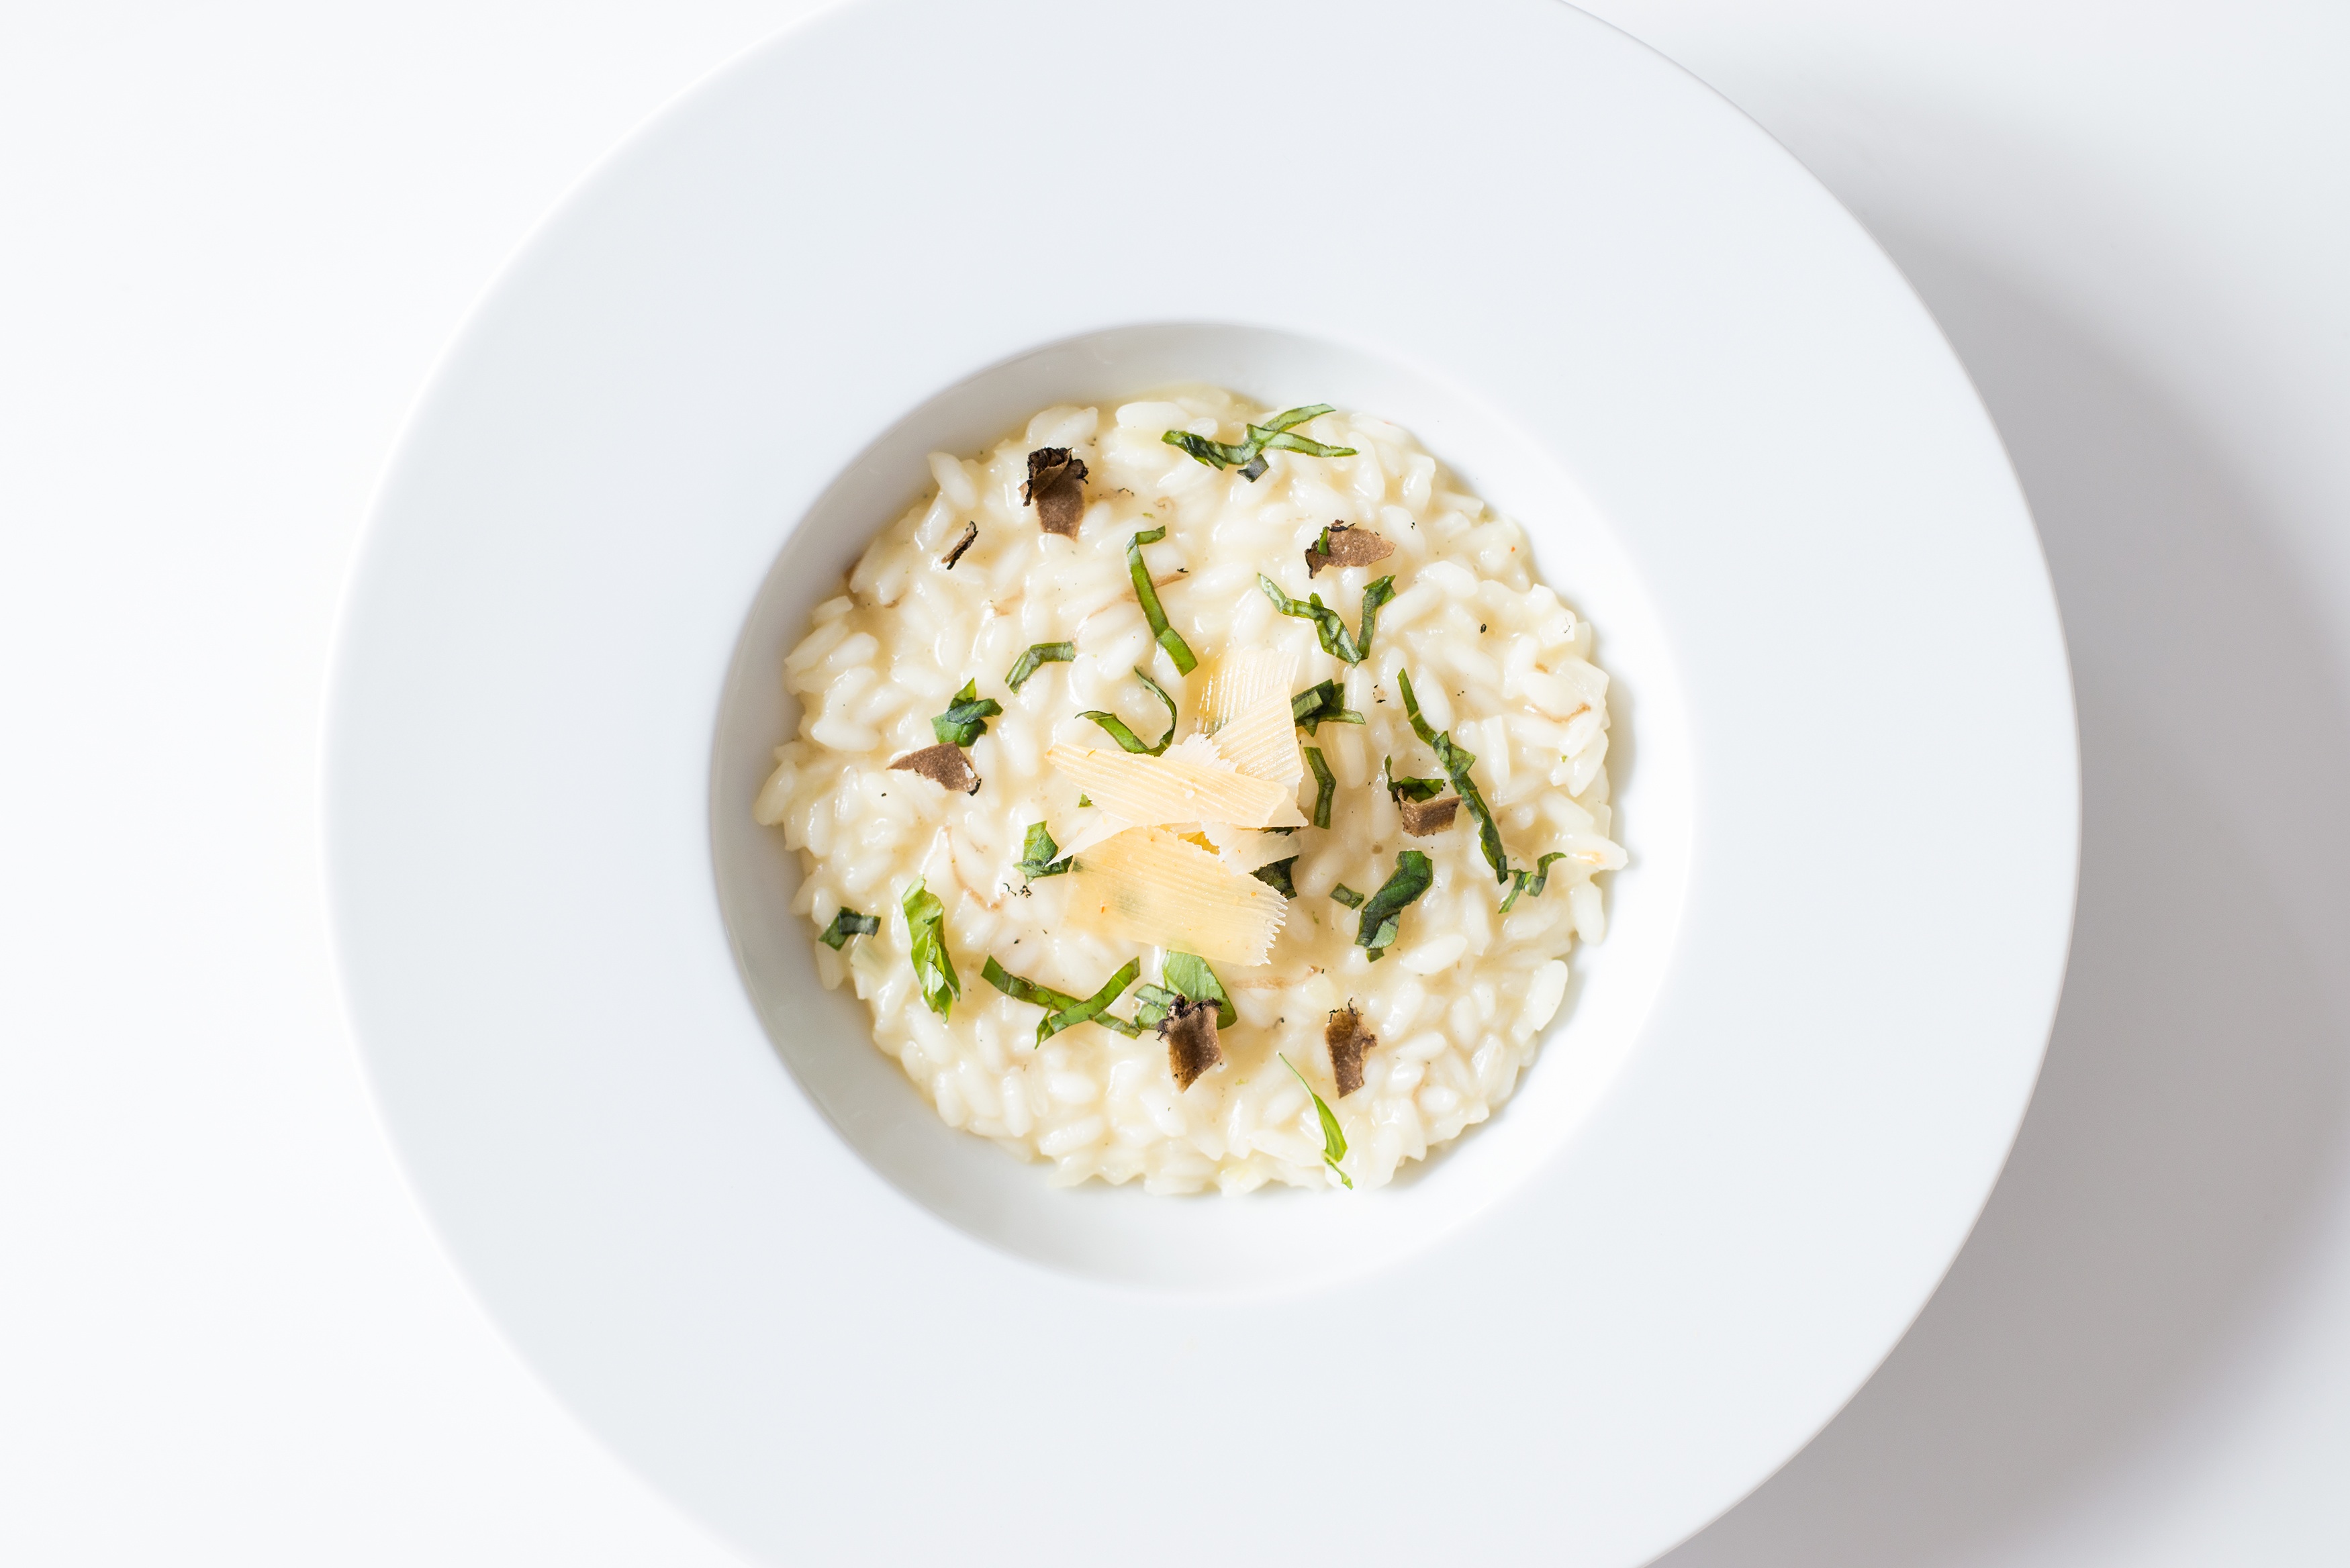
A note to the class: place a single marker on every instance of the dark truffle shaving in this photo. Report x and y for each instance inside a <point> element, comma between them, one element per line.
<point>1056,488</point>
<point>970,533</point>
<point>1350,1042</point>
<point>1427,818</point>
<point>1343,544</point>
<point>945,766</point>
<point>1191,1048</point>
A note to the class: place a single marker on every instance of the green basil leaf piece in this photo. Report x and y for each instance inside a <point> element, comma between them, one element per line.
<point>1028,991</point>
<point>1322,704</point>
<point>1407,788</point>
<point>965,720</point>
<point>1346,896</point>
<point>1326,785</point>
<point>1281,877</point>
<point>1334,1137</point>
<point>1335,641</point>
<point>1095,1009</point>
<point>1533,881</point>
<point>1214,453</point>
<point>1140,575</point>
<point>848,923</point>
<point>1126,738</point>
<point>1328,626</point>
<point>1248,456</point>
<point>1456,760</point>
<point>1374,595</point>
<point>1063,1010</point>
<point>1116,729</point>
<point>1036,854</point>
<point>1298,415</point>
<point>1036,658</point>
<point>1281,440</point>
<point>1190,974</point>
<point>1152,1004</point>
<point>1165,702</point>
<point>926,922</point>
<point>1383,910</point>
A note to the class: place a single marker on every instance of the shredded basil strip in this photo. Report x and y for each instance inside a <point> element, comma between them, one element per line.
<point>1116,727</point>
<point>1297,416</point>
<point>1063,1010</point>
<point>1319,705</point>
<point>1036,854</point>
<point>1281,877</point>
<point>1533,881</point>
<point>1374,595</point>
<point>1327,623</point>
<point>848,923</point>
<point>1336,642</point>
<point>1346,896</point>
<point>1334,1137</point>
<point>1248,456</point>
<point>926,923</point>
<point>965,720</point>
<point>1190,974</point>
<point>1414,789</point>
<point>1095,1009</point>
<point>1126,737</point>
<point>1037,657</point>
<point>1456,760</point>
<point>1139,575</point>
<point>1326,785</point>
<point>1214,453</point>
<point>1028,991</point>
<point>1165,702</point>
<point>1284,440</point>
<point>1383,910</point>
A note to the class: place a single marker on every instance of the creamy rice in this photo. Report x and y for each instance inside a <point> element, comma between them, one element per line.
<point>1458,1001</point>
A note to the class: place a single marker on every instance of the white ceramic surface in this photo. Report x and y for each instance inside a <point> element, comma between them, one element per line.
<point>1608,297</point>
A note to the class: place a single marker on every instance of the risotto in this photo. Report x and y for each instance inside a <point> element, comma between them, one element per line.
<point>1201,795</point>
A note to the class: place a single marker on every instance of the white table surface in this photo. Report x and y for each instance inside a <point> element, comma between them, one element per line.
<point>233,240</point>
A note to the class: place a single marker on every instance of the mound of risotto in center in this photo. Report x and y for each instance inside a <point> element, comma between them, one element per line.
<point>1200,794</point>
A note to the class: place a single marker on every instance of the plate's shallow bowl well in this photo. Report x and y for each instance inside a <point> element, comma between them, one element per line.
<point>1278,1238</point>
<point>675,1168</point>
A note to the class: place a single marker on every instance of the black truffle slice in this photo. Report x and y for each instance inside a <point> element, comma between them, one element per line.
<point>1427,818</point>
<point>1191,1048</point>
<point>1348,1041</point>
<point>1057,489</point>
<point>970,533</point>
<point>1348,546</point>
<point>945,766</point>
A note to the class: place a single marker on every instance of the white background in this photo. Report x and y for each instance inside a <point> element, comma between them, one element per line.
<point>233,240</point>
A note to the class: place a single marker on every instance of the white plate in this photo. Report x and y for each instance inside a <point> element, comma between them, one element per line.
<point>716,1221</point>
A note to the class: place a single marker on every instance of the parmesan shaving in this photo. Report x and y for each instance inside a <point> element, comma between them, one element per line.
<point>1262,743</point>
<point>1098,825</point>
<point>1244,678</point>
<point>1149,885</point>
<point>1198,749</point>
<point>1143,789</point>
<point>1244,849</point>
